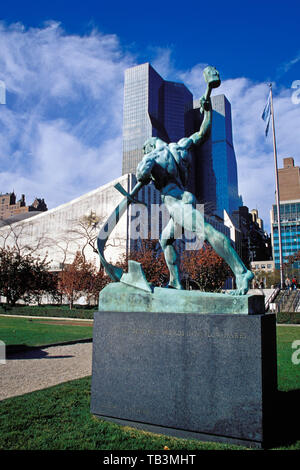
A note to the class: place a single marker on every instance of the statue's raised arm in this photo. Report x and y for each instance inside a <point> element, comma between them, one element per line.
<point>212,78</point>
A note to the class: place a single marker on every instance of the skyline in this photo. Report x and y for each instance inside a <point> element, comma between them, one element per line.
<point>61,136</point>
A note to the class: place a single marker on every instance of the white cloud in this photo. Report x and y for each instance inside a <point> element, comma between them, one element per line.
<point>286,66</point>
<point>60,131</point>
<point>193,79</point>
<point>162,62</point>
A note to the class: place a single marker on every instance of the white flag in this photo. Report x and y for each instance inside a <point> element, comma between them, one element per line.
<point>266,115</point>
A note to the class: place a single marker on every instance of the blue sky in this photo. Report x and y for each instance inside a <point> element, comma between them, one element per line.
<point>63,66</point>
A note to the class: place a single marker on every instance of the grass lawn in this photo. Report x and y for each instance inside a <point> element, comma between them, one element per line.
<point>59,417</point>
<point>38,332</point>
<point>288,373</point>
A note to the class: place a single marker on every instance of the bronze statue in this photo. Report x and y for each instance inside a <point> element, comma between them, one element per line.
<point>168,166</point>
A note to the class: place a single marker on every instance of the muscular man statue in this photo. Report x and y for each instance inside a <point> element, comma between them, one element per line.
<point>168,166</point>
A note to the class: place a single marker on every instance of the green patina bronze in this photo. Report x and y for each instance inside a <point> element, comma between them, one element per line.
<point>120,297</point>
<point>168,166</point>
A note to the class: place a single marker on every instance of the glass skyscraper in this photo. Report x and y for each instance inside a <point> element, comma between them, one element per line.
<point>216,179</point>
<point>154,107</point>
<point>289,192</point>
<point>290,231</point>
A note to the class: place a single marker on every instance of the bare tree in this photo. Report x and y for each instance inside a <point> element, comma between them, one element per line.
<point>77,235</point>
<point>85,232</point>
<point>19,236</point>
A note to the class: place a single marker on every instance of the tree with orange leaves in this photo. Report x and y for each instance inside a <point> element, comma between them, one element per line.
<point>204,269</point>
<point>81,278</point>
<point>201,269</point>
<point>149,254</point>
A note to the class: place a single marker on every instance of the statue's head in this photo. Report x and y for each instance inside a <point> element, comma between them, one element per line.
<point>212,76</point>
<point>150,144</point>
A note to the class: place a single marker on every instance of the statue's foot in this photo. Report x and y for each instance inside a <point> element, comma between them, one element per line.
<point>242,283</point>
<point>175,284</point>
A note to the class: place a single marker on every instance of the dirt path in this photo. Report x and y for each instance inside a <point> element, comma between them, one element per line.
<point>40,368</point>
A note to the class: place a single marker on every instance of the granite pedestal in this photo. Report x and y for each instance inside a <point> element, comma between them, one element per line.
<point>204,376</point>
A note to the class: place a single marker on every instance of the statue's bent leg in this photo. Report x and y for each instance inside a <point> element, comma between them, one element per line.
<point>166,240</point>
<point>221,244</point>
<point>193,221</point>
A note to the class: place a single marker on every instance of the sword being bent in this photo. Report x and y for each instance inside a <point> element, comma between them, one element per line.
<point>114,272</point>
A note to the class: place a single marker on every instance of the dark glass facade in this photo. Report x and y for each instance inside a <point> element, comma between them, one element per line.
<point>153,107</point>
<point>216,181</point>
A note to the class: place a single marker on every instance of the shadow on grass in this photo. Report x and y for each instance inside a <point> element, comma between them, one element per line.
<point>286,418</point>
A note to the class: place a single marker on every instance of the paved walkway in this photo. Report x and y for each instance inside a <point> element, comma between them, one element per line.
<point>41,368</point>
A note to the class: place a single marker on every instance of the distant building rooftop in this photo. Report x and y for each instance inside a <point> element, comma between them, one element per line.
<point>10,207</point>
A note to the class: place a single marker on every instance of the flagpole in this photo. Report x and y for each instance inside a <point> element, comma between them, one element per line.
<point>277,192</point>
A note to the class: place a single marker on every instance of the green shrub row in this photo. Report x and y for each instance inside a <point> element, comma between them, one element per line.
<point>62,311</point>
<point>291,318</point>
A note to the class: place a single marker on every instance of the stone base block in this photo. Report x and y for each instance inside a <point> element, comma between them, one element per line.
<point>209,377</point>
